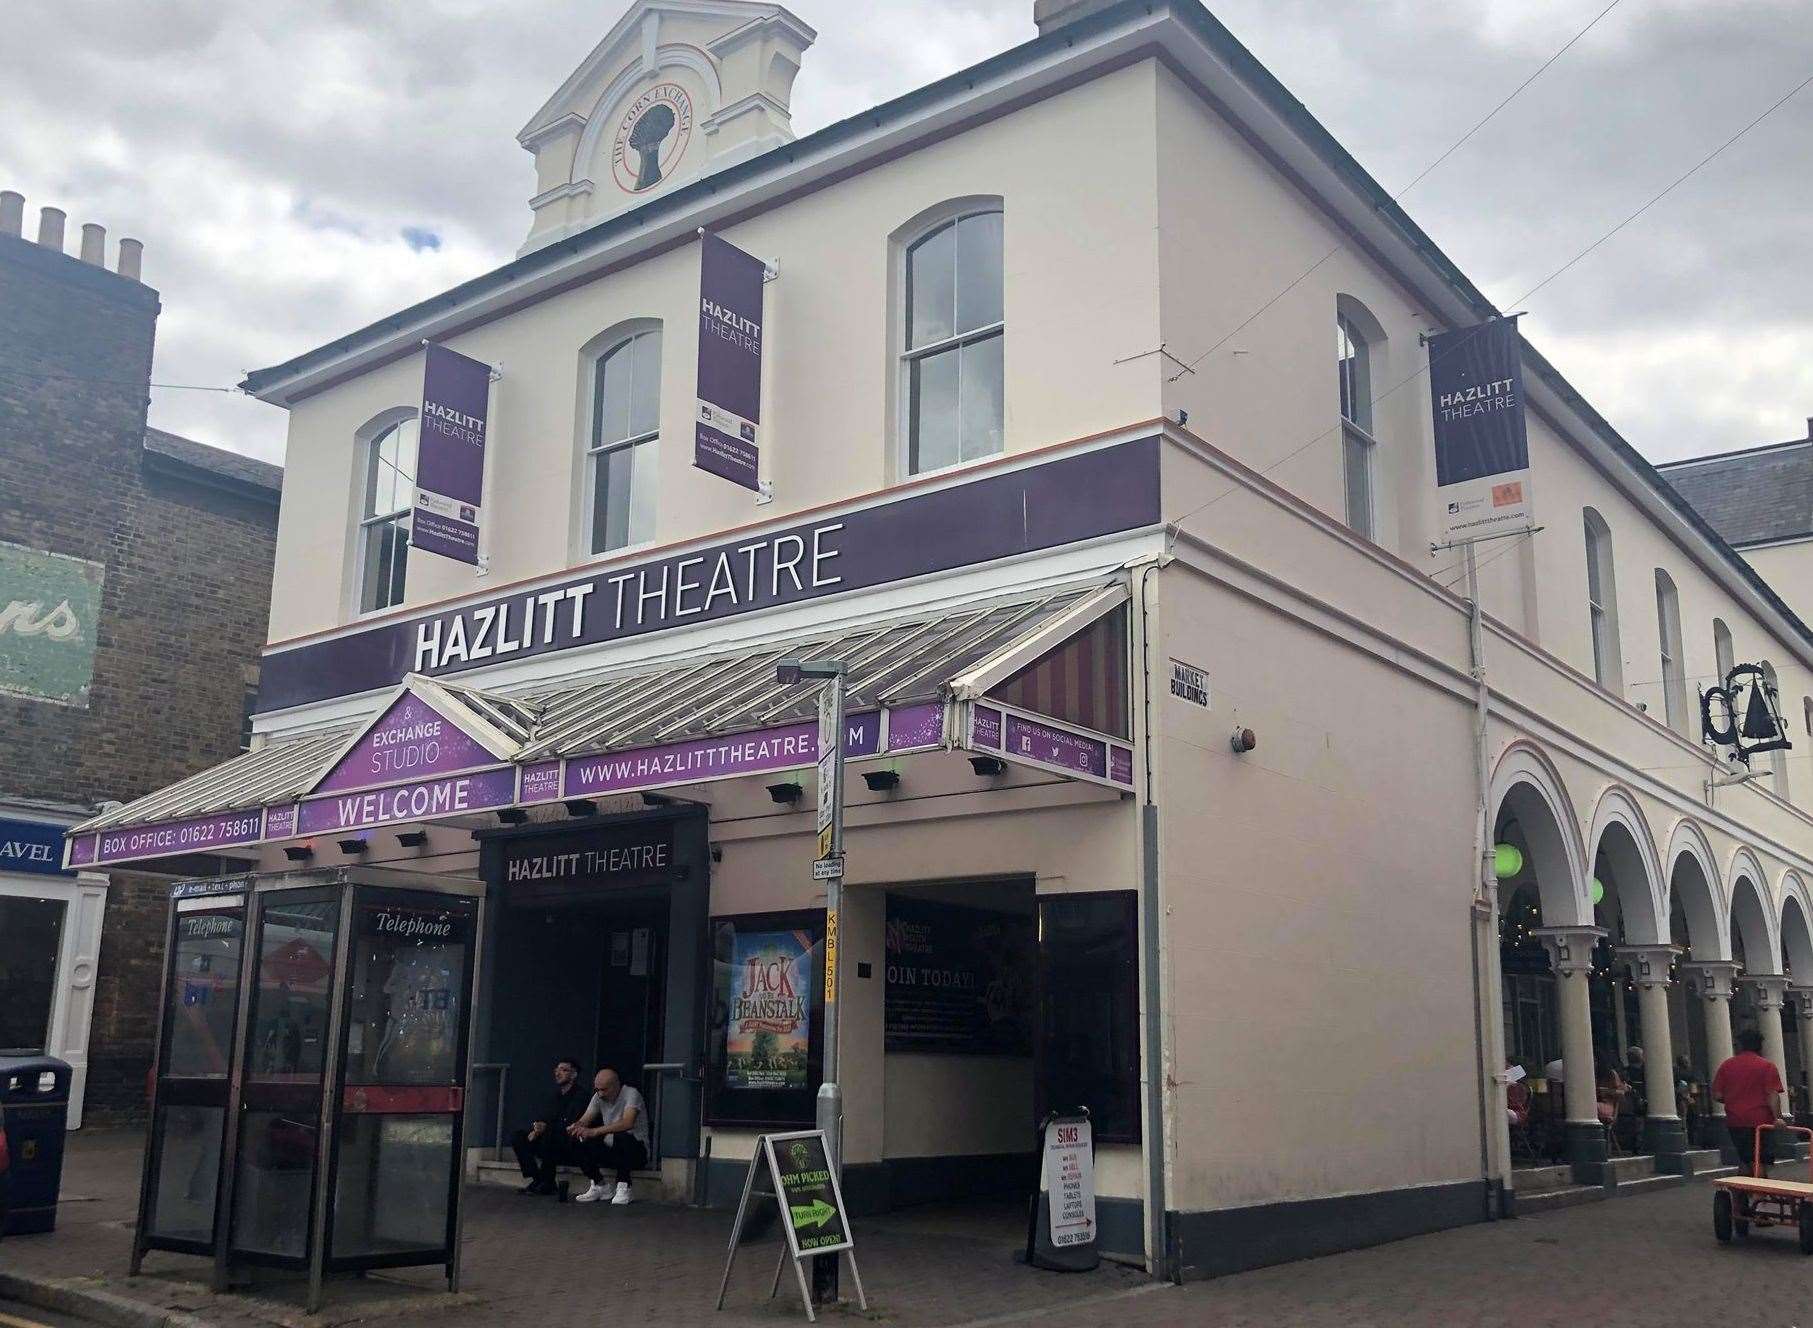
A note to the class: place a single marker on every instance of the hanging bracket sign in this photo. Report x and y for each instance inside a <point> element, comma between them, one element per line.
<point>1482,450</point>
<point>730,362</point>
<point>813,1222</point>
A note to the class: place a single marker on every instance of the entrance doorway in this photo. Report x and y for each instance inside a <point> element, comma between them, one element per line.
<point>632,990</point>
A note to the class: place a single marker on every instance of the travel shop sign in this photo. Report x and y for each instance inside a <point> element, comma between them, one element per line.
<point>1085,495</point>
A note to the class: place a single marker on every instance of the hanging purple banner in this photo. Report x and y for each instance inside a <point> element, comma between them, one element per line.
<point>1482,452</point>
<point>450,462</point>
<point>730,362</point>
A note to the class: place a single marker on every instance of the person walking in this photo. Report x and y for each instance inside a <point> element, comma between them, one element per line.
<point>1748,1084</point>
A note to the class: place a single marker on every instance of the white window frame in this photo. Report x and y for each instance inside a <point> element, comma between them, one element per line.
<point>371,438</point>
<point>1668,637</point>
<point>594,453</point>
<point>1360,510</point>
<point>905,240</point>
<point>1602,601</point>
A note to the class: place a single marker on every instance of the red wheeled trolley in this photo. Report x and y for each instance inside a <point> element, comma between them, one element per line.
<point>1740,1202</point>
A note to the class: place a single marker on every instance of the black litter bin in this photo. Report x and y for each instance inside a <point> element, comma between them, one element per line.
<point>34,1100</point>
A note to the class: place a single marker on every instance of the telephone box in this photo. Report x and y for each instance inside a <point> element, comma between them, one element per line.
<point>309,1088</point>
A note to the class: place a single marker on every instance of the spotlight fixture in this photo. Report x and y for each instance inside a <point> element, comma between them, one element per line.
<point>881,781</point>
<point>657,800</point>
<point>413,838</point>
<point>581,807</point>
<point>512,816</point>
<point>1243,741</point>
<point>785,794</point>
<point>298,852</point>
<point>988,766</point>
<point>352,846</point>
<point>717,853</point>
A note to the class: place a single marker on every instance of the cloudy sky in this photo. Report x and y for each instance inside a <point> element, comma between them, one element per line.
<point>297,170</point>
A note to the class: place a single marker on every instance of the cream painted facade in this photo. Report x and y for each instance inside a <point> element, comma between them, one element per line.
<point>1320,1045</point>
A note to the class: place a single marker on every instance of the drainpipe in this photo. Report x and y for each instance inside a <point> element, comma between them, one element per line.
<point>1482,921</point>
<point>1159,1258</point>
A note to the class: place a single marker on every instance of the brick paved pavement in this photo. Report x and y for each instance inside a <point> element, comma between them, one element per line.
<point>1649,1260</point>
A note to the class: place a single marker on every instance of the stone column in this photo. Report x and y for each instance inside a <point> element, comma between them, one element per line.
<point>1713,979</point>
<point>1663,1133</point>
<point>1803,1011</point>
<point>1571,955</point>
<point>1771,990</point>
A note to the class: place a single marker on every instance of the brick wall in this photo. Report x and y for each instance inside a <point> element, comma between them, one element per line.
<point>183,611</point>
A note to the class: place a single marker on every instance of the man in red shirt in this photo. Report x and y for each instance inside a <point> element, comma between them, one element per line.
<point>1747,1084</point>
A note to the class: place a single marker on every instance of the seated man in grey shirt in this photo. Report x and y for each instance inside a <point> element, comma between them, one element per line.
<point>612,1135</point>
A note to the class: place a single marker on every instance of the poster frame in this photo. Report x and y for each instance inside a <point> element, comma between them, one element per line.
<point>763,1108</point>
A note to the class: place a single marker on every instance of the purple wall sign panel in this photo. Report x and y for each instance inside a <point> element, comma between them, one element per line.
<point>985,727</point>
<point>1078,497</point>
<point>81,851</point>
<point>280,822</point>
<point>420,801</point>
<point>915,726</point>
<point>1120,765</point>
<point>700,759</point>
<point>540,782</point>
<point>411,740</point>
<point>450,462</point>
<point>730,362</point>
<point>198,834</point>
<point>1053,746</point>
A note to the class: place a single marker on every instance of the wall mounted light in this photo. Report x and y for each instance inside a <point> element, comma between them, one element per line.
<point>1507,861</point>
<point>1243,741</point>
<point>298,852</point>
<point>881,781</point>
<point>988,766</point>
<point>512,816</point>
<point>581,807</point>
<point>413,838</point>
<point>351,847</point>
<point>785,794</point>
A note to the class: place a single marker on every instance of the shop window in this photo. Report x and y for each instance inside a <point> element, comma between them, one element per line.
<point>1355,333</point>
<point>384,518</point>
<point>1082,681</point>
<point>765,1047</point>
<point>1602,601</point>
<point>622,448</point>
<point>951,361</point>
<point>31,938</point>
<point>1088,1010</point>
<point>1668,629</point>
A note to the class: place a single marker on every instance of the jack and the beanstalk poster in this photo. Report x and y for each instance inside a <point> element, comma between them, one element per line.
<point>767,1038</point>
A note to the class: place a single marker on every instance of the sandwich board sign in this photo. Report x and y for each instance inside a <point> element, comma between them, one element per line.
<point>804,1183</point>
<point>1063,1231</point>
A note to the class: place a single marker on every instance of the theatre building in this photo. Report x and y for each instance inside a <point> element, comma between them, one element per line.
<point>1166,788</point>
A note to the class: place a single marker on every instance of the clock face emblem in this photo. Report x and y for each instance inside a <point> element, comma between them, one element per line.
<point>651,137</point>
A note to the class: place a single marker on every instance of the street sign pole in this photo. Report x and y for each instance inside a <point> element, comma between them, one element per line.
<point>829,868</point>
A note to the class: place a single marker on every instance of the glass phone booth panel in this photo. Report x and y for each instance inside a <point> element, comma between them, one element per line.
<point>402,1101</point>
<point>286,1066</point>
<point>194,1061</point>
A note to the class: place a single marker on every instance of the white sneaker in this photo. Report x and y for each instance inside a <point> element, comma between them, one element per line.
<point>593,1194</point>
<point>623,1194</point>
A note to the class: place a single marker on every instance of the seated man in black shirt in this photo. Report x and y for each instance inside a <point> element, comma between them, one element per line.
<point>546,1144</point>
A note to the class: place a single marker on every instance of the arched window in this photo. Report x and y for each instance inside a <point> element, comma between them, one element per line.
<point>622,446</point>
<point>384,515</point>
<point>1668,629</point>
<point>1602,601</point>
<point>1806,712</point>
<point>951,380</point>
<point>1724,658</point>
<point>1778,759</point>
<point>1355,333</point>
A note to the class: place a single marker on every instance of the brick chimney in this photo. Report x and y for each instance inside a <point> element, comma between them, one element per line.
<point>1051,15</point>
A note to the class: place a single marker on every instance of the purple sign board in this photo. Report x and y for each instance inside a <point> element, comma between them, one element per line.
<point>1120,765</point>
<point>785,747</point>
<point>540,782</point>
<point>985,727</point>
<point>198,834</point>
<point>450,462</point>
<point>1055,746</point>
<point>913,726</point>
<point>1081,496</point>
<point>730,362</point>
<point>422,800</point>
<point>280,822</point>
<point>411,740</point>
